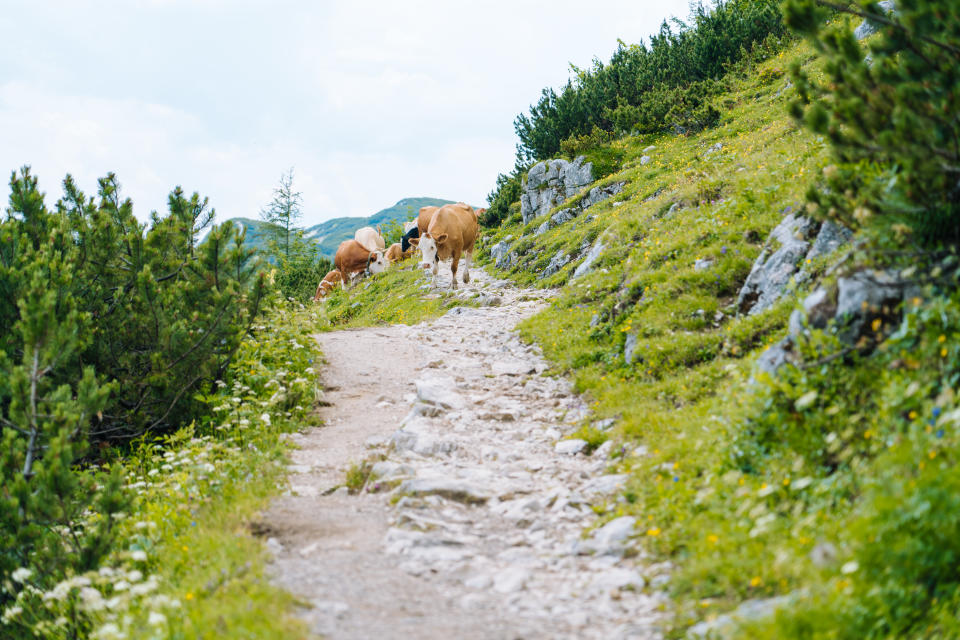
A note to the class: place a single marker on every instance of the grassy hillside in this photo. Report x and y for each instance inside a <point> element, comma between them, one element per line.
<point>328,235</point>
<point>778,491</point>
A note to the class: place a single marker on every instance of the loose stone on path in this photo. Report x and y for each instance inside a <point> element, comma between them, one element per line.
<point>472,524</point>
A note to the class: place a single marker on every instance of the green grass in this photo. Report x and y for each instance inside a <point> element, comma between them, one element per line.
<point>395,296</point>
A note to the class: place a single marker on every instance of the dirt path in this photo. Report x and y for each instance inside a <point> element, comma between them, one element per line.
<point>472,526</point>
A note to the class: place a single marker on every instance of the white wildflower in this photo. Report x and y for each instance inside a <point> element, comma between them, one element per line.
<point>139,555</point>
<point>106,572</point>
<point>21,575</point>
<point>143,588</point>
<point>134,576</point>
<point>156,619</point>
<point>109,631</point>
<point>92,600</point>
<point>121,585</point>
<point>153,472</point>
<point>265,417</point>
<point>850,567</point>
<point>11,613</point>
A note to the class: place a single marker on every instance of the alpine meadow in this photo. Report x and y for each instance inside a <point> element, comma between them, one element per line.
<point>691,371</point>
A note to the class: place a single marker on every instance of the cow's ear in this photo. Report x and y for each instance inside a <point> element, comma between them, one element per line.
<point>441,238</point>
<point>414,241</point>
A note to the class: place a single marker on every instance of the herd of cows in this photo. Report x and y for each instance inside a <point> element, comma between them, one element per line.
<point>440,233</point>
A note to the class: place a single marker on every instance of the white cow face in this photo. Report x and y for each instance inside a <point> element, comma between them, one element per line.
<point>428,250</point>
<point>377,263</point>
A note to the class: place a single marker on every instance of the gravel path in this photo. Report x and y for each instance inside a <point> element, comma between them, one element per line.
<point>472,525</point>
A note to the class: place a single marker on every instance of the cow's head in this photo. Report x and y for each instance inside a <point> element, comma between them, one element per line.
<point>376,263</point>
<point>429,247</point>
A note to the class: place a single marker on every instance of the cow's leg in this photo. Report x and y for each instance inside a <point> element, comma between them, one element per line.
<point>466,267</point>
<point>453,271</point>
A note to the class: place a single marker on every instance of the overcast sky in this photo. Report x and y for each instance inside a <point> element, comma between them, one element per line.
<point>370,102</point>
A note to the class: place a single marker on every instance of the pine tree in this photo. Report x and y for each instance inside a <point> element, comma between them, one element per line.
<point>284,213</point>
<point>45,415</point>
<point>889,109</point>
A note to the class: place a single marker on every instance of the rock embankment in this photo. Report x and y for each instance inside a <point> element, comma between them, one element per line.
<point>471,524</point>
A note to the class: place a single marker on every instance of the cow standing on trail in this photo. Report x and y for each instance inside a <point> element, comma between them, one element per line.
<point>451,234</point>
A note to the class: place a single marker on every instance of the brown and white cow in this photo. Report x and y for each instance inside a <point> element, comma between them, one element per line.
<point>451,234</point>
<point>328,284</point>
<point>394,253</point>
<point>353,260</point>
<point>370,238</point>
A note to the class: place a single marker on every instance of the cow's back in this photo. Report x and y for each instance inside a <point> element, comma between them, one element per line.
<point>425,217</point>
<point>459,223</point>
<point>369,239</point>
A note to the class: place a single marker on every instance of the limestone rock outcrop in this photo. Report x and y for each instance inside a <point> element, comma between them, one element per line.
<point>792,242</point>
<point>551,183</point>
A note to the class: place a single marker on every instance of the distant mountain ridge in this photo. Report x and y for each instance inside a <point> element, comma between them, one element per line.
<point>328,235</point>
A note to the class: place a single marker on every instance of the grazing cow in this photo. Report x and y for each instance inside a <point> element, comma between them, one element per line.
<point>353,260</point>
<point>328,284</point>
<point>413,232</point>
<point>370,238</point>
<point>394,253</point>
<point>451,234</point>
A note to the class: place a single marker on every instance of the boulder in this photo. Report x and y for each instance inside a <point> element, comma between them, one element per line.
<point>597,194</point>
<point>830,238</point>
<point>556,263</point>
<point>500,253</point>
<point>786,247</point>
<point>790,245</point>
<point>867,27</point>
<point>865,296</point>
<point>552,182</point>
<point>586,266</point>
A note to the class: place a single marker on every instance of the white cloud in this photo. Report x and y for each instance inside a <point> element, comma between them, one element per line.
<point>371,102</point>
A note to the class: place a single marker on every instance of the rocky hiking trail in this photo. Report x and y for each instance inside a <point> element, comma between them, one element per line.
<point>472,524</point>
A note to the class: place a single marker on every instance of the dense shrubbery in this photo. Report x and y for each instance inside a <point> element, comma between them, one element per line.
<point>890,111</point>
<point>109,331</point>
<point>651,89</point>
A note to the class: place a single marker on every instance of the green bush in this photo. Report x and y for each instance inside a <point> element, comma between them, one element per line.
<point>656,88</point>
<point>889,109</point>
<point>110,330</point>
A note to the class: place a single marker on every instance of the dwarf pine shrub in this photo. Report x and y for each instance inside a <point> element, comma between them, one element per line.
<point>888,106</point>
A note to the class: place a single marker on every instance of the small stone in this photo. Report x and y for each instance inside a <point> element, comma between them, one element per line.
<point>439,391</point>
<point>510,580</point>
<point>604,425</point>
<point>702,264</point>
<point>630,348</point>
<point>513,367</point>
<point>571,447</point>
<point>644,160</point>
<point>451,489</point>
